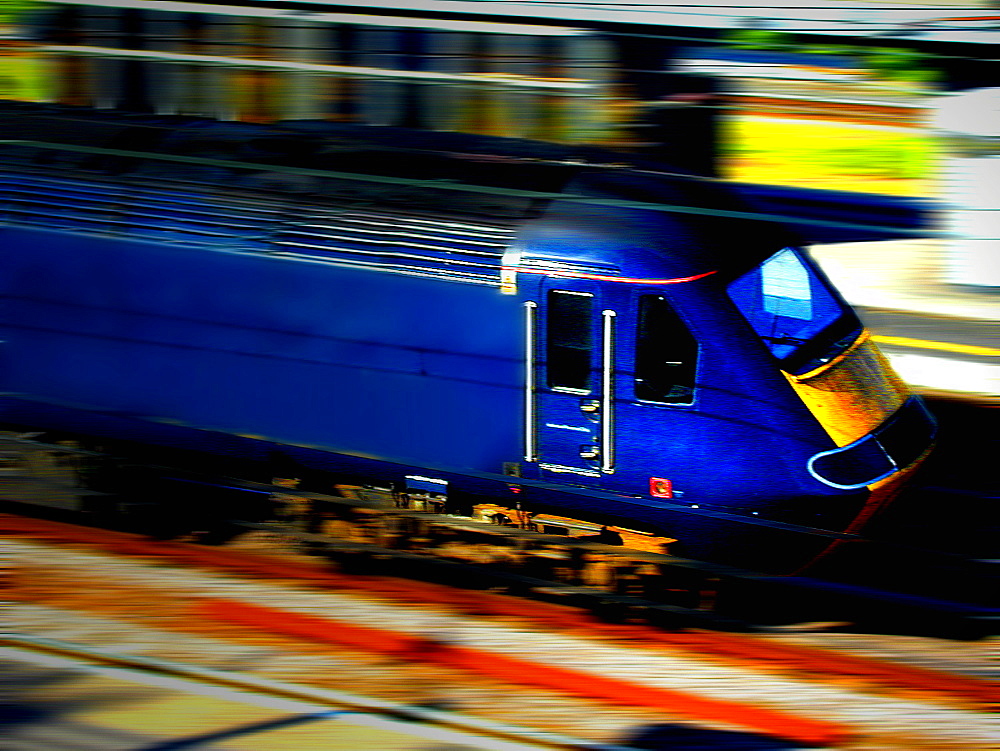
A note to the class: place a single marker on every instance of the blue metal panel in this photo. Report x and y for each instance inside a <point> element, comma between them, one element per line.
<point>745,439</point>
<point>376,364</point>
<point>562,428</point>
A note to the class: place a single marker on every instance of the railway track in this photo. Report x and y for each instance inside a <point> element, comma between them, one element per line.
<point>424,645</point>
<point>303,704</point>
<point>266,557</point>
<point>362,531</point>
<point>615,584</point>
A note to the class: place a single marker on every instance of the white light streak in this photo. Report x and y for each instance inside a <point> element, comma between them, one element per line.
<point>942,374</point>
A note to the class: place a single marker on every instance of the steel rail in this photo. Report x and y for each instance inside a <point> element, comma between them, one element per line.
<point>321,696</point>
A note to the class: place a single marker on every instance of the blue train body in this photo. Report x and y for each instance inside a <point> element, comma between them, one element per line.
<point>597,351</point>
<point>298,352</point>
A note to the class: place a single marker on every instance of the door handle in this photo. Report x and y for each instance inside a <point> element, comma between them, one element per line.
<point>608,392</point>
<point>530,437</point>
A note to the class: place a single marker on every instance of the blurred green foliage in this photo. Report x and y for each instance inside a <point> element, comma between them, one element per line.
<point>899,64</point>
<point>12,10</point>
<point>757,39</point>
<point>22,77</point>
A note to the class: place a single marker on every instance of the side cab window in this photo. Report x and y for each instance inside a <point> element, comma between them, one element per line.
<point>666,354</point>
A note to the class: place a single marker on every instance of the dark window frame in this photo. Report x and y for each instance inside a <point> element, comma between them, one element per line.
<point>813,340</point>
<point>570,339</point>
<point>667,353</point>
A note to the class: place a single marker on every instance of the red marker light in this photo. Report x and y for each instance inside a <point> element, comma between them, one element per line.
<point>514,488</point>
<point>660,487</point>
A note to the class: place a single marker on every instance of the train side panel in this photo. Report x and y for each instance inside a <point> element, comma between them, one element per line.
<point>732,433</point>
<point>741,438</point>
<point>737,438</point>
<point>375,364</point>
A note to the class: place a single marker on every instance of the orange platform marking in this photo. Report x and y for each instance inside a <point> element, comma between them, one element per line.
<point>516,670</point>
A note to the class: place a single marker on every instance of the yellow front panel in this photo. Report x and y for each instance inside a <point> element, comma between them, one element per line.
<point>854,393</point>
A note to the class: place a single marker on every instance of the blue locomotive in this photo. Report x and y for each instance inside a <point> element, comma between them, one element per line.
<point>492,317</point>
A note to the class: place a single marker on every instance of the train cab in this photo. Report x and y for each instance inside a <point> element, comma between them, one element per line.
<point>704,361</point>
<point>880,429</point>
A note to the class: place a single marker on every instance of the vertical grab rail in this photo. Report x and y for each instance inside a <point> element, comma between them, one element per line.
<point>608,393</point>
<point>530,438</point>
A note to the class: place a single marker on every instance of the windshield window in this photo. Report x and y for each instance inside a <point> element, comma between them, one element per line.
<point>802,321</point>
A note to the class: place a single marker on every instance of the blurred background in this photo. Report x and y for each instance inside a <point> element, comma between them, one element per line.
<point>873,127</point>
<point>880,115</point>
<point>829,95</point>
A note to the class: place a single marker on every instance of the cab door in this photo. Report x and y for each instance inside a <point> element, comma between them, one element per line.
<point>569,394</point>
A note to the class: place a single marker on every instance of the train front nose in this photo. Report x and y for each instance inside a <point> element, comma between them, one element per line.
<point>881,430</point>
<point>897,444</point>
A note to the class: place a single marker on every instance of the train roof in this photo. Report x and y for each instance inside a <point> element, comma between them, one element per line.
<point>458,200</point>
<point>646,226</point>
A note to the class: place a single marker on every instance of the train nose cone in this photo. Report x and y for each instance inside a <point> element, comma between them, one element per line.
<point>892,446</point>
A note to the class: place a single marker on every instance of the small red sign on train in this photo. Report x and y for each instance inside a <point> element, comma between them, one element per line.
<point>660,487</point>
